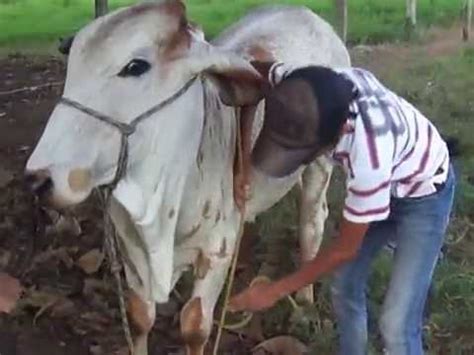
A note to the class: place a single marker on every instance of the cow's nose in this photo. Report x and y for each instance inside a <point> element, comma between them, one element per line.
<point>39,181</point>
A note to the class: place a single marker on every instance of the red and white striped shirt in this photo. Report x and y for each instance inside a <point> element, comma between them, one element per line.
<point>389,149</point>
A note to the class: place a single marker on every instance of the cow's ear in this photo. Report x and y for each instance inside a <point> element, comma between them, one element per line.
<point>263,67</point>
<point>244,85</point>
<point>239,87</point>
<point>238,82</point>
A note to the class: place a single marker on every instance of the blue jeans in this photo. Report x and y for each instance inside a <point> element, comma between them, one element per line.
<point>417,227</point>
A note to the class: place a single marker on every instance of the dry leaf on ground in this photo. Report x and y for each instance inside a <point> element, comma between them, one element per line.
<point>52,255</point>
<point>6,176</point>
<point>10,292</point>
<point>5,256</point>
<point>66,225</point>
<point>90,262</point>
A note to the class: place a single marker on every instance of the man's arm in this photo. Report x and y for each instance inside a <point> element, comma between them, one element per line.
<point>342,250</point>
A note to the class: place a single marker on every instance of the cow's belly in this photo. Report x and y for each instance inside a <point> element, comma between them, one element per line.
<point>267,191</point>
<point>207,231</point>
<point>208,214</point>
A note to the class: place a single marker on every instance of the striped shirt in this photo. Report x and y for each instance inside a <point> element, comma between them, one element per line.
<point>388,149</point>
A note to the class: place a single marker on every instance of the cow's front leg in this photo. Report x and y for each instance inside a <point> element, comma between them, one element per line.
<point>198,314</point>
<point>140,303</point>
<point>313,213</point>
<point>141,312</point>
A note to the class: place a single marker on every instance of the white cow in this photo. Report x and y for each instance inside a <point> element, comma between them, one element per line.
<point>174,206</point>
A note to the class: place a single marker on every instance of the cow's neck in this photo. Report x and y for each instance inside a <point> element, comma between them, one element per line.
<point>209,185</point>
<point>152,191</point>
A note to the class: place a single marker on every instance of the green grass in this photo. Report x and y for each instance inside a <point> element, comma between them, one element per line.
<point>444,90</point>
<point>24,22</point>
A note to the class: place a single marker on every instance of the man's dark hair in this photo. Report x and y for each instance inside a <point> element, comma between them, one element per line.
<point>334,93</point>
<point>304,116</point>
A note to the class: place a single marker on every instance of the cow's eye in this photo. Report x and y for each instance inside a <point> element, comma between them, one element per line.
<point>136,68</point>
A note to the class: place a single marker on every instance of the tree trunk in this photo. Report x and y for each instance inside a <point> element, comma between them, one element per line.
<point>411,13</point>
<point>341,9</point>
<point>467,23</point>
<point>101,7</point>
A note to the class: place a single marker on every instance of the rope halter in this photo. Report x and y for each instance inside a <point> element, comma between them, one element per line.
<point>125,129</point>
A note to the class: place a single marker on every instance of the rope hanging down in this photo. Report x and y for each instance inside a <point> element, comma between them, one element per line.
<point>116,262</point>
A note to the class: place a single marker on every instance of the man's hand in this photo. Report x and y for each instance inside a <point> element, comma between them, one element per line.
<point>259,296</point>
<point>264,294</point>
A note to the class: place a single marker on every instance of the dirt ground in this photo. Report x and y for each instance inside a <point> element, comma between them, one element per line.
<point>65,310</point>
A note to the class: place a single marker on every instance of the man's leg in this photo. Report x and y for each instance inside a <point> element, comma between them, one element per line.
<point>420,227</point>
<point>348,290</point>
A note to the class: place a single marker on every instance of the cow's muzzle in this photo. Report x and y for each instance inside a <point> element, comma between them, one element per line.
<point>39,182</point>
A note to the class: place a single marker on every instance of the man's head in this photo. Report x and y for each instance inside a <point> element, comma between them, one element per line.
<point>304,117</point>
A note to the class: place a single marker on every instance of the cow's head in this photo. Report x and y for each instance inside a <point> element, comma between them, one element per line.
<point>121,65</point>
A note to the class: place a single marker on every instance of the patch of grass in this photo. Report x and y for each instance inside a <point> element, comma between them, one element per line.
<point>444,91</point>
<point>28,21</point>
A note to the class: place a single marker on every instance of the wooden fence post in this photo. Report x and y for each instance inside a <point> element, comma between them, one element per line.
<point>342,18</point>
<point>467,20</point>
<point>411,13</point>
<point>101,7</point>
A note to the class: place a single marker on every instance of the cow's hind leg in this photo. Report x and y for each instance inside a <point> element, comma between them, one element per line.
<point>313,213</point>
<point>198,314</point>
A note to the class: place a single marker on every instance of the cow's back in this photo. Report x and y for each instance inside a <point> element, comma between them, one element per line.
<point>286,33</point>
